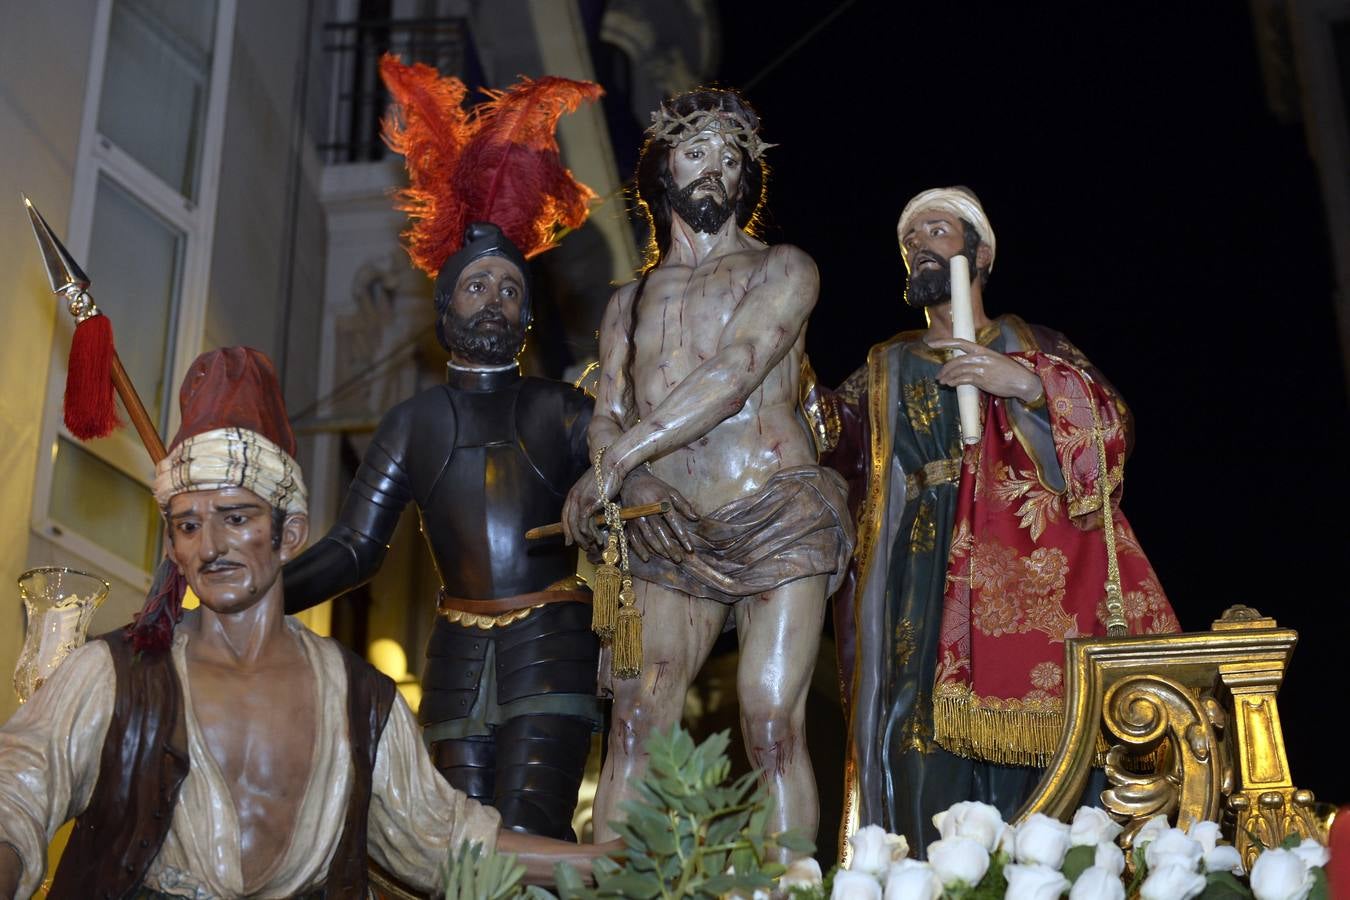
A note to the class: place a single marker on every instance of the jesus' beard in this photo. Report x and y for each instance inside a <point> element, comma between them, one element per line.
<point>704,214</point>
<point>490,347</point>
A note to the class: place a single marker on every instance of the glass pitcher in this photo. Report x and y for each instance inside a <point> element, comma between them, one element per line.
<point>59,604</point>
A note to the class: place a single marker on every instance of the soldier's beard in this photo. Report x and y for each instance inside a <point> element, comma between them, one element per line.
<point>704,214</point>
<point>469,338</point>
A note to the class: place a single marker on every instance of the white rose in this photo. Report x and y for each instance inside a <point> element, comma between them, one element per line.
<point>1313,854</point>
<point>870,852</point>
<point>910,879</point>
<point>1096,883</point>
<point>1092,826</point>
<point>1152,828</point>
<point>979,821</point>
<point>1223,858</point>
<point>1034,882</point>
<point>1173,847</point>
<point>1217,857</point>
<point>1109,857</point>
<point>1172,882</point>
<point>801,873</point>
<point>958,859</point>
<point>1206,832</point>
<point>1041,840</point>
<point>1280,875</point>
<point>850,885</point>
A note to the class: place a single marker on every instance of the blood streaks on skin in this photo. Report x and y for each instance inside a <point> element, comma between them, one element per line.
<point>660,670</point>
<point>776,757</point>
<point>627,736</point>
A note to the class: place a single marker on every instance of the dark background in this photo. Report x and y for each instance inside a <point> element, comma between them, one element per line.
<point>1148,204</point>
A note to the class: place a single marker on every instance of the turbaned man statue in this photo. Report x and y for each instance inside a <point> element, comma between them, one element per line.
<point>697,404</point>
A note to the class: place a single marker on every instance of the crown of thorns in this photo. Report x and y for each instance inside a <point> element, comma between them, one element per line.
<point>671,129</point>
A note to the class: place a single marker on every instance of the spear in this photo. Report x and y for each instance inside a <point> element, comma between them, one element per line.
<point>94,370</point>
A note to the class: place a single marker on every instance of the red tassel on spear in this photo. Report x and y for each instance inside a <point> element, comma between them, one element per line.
<point>93,373</point>
<point>94,370</point>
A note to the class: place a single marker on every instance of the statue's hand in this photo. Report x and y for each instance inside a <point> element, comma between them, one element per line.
<point>583,502</point>
<point>578,509</point>
<point>990,371</point>
<point>665,535</point>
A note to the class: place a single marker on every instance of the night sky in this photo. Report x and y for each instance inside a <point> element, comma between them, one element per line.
<point>1149,205</point>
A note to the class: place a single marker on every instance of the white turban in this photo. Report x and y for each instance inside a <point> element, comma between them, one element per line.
<point>958,201</point>
<point>232,457</point>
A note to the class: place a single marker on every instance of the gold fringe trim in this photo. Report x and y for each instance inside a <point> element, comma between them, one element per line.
<point>1008,732</point>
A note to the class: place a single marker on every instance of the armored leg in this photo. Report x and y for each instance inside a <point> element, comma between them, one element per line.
<point>540,761</point>
<point>469,764</point>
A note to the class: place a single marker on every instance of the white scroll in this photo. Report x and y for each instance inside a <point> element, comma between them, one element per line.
<point>963,327</point>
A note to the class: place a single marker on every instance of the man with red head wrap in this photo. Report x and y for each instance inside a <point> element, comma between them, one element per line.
<point>229,751</point>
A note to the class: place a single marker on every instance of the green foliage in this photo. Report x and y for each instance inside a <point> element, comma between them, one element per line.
<point>1321,889</point>
<point>993,885</point>
<point>1140,872</point>
<point>469,875</point>
<point>688,833</point>
<point>1224,886</point>
<point>1076,860</point>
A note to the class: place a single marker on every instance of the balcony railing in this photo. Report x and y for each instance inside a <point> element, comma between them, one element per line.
<point>357,98</point>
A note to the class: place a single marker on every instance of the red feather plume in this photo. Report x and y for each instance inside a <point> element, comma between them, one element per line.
<point>497,163</point>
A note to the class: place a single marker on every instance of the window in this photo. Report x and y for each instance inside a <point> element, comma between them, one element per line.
<point>141,226</point>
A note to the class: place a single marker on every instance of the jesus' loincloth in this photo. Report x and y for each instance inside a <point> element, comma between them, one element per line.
<point>796,526</point>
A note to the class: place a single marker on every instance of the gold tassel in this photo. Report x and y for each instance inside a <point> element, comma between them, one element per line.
<point>628,634</point>
<point>605,600</point>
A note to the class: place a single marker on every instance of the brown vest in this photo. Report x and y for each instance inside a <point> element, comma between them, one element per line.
<point>144,762</point>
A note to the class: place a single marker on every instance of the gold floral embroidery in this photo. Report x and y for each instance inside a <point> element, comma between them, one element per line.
<point>923,536</point>
<point>917,732</point>
<point>1146,609</point>
<point>1047,676</point>
<point>922,405</point>
<point>962,541</point>
<point>997,614</point>
<point>904,642</point>
<point>1046,570</point>
<point>1021,593</point>
<point>1039,506</point>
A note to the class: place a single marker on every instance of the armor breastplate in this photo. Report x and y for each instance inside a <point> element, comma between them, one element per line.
<point>485,457</point>
<point>509,470</point>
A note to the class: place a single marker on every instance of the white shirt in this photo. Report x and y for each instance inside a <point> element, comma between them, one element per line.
<point>49,762</point>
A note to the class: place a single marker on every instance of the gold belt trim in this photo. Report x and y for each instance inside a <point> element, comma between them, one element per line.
<point>506,610</point>
<point>939,471</point>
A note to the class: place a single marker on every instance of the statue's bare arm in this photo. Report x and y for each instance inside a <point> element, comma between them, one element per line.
<point>610,412</point>
<point>611,394</point>
<point>761,331</point>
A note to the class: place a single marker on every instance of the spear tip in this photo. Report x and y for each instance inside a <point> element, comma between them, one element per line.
<point>62,270</point>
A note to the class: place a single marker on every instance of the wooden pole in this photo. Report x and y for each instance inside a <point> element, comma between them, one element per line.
<point>154,445</point>
<point>627,513</point>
